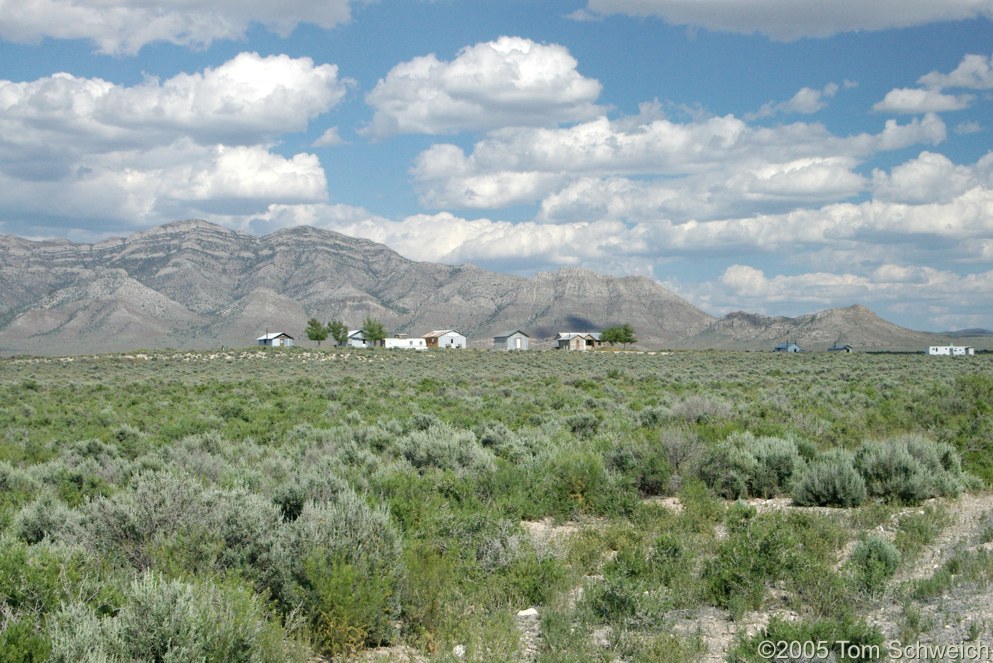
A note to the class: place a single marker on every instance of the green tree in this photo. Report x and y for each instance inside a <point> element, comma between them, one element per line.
<point>316,331</point>
<point>338,331</point>
<point>374,331</point>
<point>623,334</point>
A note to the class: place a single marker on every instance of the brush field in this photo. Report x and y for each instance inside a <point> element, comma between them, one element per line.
<point>305,505</point>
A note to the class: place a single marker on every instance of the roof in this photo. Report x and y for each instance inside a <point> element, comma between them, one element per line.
<point>507,334</point>
<point>273,335</point>
<point>355,332</point>
<point>565,336</point>
<point>439,333</point>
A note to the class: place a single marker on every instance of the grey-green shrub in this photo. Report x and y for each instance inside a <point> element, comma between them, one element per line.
<point>445,447</point>
<point>174,621</point>
<point>830,480</point>
<point>46,516</point>
<point>892,472</point>
<point>874,561</point>
<point>154,506</point>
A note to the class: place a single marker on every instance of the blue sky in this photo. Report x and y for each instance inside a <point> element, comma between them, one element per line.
<point>774,156</point>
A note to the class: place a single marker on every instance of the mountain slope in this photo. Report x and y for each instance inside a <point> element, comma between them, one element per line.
<point>855,325</point>
<point>196,284</point>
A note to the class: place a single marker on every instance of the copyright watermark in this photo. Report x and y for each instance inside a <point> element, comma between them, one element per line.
<point>893,650</point>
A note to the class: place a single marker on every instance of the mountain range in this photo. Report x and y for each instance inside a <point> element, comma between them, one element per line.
<point>194,284</point>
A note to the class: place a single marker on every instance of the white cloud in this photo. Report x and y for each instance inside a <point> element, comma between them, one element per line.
<point>246,100</point>
<point>507,82</point>
<point>975,72</point>
<point>914,101</point>
<point>806,101</point>
<point>329,138</point>
<point>930,177</point>
<point>149,186</point>
<point>119,28</point>
<point>786,20</point>
<point>86,148</point>
<point>524,165</point>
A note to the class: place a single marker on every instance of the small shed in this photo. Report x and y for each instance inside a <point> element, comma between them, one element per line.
<point>788,346</point>
<point>511,340</point>
<point>444,339</point>
<point>275,340</point>
<point>840,348</point>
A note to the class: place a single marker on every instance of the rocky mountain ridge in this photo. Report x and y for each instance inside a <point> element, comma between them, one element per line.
<point>192,284</point>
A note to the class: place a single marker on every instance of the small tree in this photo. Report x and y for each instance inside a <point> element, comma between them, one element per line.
<point>338,331</point>
<point>374,331</point>
<point>316,331</point>
<point>623,334</point>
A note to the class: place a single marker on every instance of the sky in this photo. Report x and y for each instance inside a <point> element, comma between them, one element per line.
<point>773,156</point>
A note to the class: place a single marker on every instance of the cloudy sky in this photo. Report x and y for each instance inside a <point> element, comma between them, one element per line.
<point>774,156</point>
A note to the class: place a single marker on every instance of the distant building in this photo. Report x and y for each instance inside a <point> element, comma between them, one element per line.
<point>404,343</point>
<point>580,341</point>
<point>951,350</point>
<point>840,348</point>
<point>356,339</point>
<point>275,340</point>
<point>444,339</point>
<point>788,346</point>
<point>511,340</point>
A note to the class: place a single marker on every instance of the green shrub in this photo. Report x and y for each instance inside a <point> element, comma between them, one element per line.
<point>745,465</point>
<point>756,553</point>
<point>874,561</point>
<point>347,539</point>
<point>831,480</point>
<point>727,469</point>
<point>843,639</point>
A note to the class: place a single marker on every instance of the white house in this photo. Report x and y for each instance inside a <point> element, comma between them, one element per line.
<point>404,343</point>
<point>445,339</point>
<point>356,339</point>
<point>275,340</point>
<point>788,346</point>
<point>581,341</point>
<point>951,350</point>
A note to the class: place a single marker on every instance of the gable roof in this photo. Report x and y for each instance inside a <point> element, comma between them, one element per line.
<point>508,334</point>
<point>274,335</point>
<point>438,333</point>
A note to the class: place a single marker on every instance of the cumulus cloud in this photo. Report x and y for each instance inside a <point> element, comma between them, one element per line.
<point>507,82</point>
<point>930,177</point>
<point>806,101</point>
<point>524,165</point>
<point>81,147</point>
<point>975,72</point>
<point>915,101</point>
<point>124,28</point>
<point>787,20</point>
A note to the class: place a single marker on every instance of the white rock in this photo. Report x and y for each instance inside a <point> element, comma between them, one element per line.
<point>530,612</point>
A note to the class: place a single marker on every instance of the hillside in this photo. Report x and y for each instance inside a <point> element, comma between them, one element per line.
<point>854,325</point>
<point>195,284</point>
